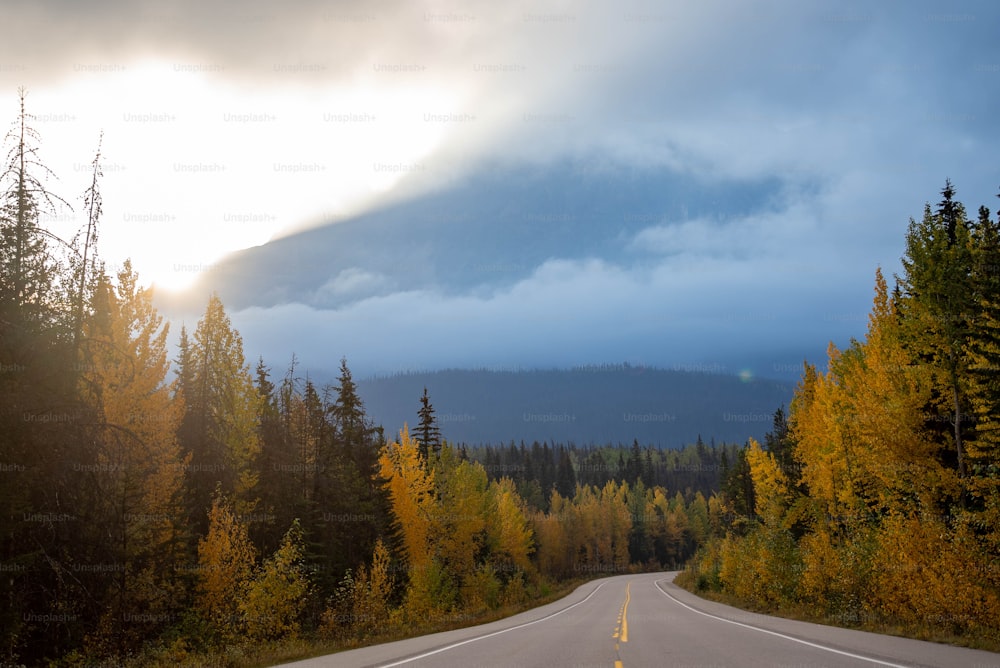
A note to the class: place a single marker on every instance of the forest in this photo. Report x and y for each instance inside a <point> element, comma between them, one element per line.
<point>877,503</point>
<point>186,506</point>
<point>194,508</point>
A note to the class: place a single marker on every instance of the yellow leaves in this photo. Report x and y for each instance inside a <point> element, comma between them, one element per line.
<point>225,566</point>
<point>508,526</point>
<point>372,587</point>
<point>275,598</point>
<point>461,514</point>
<point>928,574</point>
<point>770,484</point>
<point>412,496</point>
<point>234,595</point>
<point>860,427</point>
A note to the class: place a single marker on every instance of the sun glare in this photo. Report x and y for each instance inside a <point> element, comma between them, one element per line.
<point>195,169</point>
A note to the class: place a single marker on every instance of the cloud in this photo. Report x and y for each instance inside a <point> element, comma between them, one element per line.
<point>858,112</point>
<point>568,312</point>
<point>349,285</point>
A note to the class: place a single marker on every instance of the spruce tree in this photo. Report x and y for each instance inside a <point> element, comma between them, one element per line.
<point>937,302</point>
<point>428,434</point>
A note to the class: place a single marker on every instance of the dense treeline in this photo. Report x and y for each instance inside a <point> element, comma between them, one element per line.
<point>540,467</point>
<point>878,500</point>
<point>156,508</point>
<point>593,405</point>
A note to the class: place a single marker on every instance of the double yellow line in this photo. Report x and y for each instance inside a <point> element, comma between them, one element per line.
<point>621,632</point>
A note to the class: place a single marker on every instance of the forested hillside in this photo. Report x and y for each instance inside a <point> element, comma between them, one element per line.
<point>879,501</point>
<point>159,511</point>
<point>599,405</point>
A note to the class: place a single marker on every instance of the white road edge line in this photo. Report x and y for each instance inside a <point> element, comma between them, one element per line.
<point>775,633</point>
<point>489,635</point>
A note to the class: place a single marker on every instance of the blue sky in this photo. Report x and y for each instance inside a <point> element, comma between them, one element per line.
<point>228,125</point>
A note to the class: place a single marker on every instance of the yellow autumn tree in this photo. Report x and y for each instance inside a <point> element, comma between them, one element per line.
<point>411,496</point>
<point>460,520</point>
<point>371,612</point>
<point>415,510</point>
<point>552,530</point>
<point>226,560</point>
<point>511,537</point>
<point>122,369</point>
<point>275,598</point>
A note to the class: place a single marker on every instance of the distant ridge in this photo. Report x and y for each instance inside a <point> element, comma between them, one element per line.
<point>592,405</point>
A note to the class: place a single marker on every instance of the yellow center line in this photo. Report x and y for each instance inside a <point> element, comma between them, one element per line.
<point>621,629</point>
<point>628,597</point>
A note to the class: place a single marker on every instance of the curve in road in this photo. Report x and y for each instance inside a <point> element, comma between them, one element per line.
<point>628,621</point>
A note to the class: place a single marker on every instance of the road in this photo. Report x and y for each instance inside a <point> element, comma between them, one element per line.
<point>627,621</point>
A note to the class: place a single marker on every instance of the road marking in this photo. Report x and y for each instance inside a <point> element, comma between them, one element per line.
<point>621,630</point>
<point>489,635</point>
<point>628,597</point>
<point>621,625</point>
<point>775,633</point>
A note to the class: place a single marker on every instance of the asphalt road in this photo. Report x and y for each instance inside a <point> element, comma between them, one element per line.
<point>646,620</point>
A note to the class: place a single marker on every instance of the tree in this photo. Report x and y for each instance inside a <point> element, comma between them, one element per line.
<point>84,263</point>
<point>936,305</point>
<point>372,591</point>
<point>354,457</point>
<point>983,354</point>
<point>226,561</point>
<point>222,407</point>
<point>276,596</point>
<point>565,474</point>
<point>30,275</point>
<point>43,424</point>
<point>461,520</point>
<point>138,461</point>
<point>412,496</point>
<point>427,432</point>
<point>511,537</point>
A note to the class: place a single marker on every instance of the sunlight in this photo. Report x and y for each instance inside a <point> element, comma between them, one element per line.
<point>195,169</point>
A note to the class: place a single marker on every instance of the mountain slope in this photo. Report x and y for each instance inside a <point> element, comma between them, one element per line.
<point>600,405</point>
<point>493,228</point>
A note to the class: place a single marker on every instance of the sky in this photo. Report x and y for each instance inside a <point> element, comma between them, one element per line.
<point>227,125</point>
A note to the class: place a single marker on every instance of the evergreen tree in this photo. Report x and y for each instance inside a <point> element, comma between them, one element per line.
<point>983,353</point>
<point>222,406</point>
<point>936,306</point>
<point>566,475</point>
<point>29,276</point>
<point>427,432</point>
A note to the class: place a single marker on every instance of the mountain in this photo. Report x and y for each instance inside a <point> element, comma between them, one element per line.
<point>587,406</point>
<point>492,228</point>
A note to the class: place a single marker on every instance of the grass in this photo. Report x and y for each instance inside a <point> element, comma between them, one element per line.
<point>260,655</point>
<point>686,580</point>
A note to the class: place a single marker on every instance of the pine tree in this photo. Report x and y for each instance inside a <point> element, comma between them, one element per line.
<point>29,277</point>
<point>222,407</point>
<point>936,306</point>
<point>565,475</point>
<point>428,434</point>
<point>346,486</point>
<point>83,261</point>
<point>43,424</point>
<point>983,352</point>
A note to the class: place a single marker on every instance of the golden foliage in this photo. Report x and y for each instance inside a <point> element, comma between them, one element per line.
<point>412,497</point>
<point>275,598</point>
<point>226,560</point>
